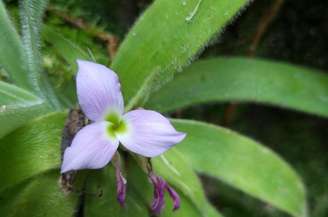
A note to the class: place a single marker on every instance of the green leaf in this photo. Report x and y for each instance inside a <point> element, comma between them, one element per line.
<point>242,79</point>
<point>187,209</point>
<point>164,39</point>
<point>244,164</point>
<point>38,197</point>
<point>12,53</point>
<point>17,106</point>
<point>31,13</point>
<point>31,149</point>
<point>177,170</point>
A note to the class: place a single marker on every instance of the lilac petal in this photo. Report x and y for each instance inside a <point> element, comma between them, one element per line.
<point>174,196</point>
<point>120,186</point>
<point>98,90</point>
<point>90,149</point>
<point>149,133</point>
<point>159,188</point>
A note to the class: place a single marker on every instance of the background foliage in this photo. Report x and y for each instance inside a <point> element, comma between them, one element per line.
<point>263,77</point>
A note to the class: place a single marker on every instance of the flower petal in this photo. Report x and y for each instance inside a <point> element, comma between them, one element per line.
<point>174,196</point>
<point>148,133</point>
<point>158,202</point>
<point>98,90</point>
<point>90,149</point>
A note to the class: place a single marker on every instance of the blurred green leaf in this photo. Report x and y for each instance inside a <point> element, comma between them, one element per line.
<point>164,39</point>
<point>67,49</point>
<point>68,52</point>
<point>38,197</point>
<point>177,170</point>
<point>242,79</point>
<point>17,106</point>
<point>31,149</point>
<point>12,53</point>
<point>244,164</point>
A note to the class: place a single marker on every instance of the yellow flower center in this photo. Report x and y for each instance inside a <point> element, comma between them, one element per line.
<point>116,124</point>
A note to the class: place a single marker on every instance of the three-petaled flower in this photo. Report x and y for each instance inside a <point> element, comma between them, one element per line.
<point>141,131</point>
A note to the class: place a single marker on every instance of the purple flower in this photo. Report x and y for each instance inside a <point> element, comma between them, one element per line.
<point>120,186</point>
<point>144,132</point>
<point>160,186</point>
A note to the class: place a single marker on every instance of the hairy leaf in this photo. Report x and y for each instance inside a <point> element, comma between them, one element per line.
<point>164,39</point>
<point>246,80</point>
<point>31,13</point>
<point>244,164</point>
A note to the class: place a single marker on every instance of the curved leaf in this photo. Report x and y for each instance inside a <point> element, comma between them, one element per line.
<point>164,39</point>
<point>31,149</point>
<point>38,197</point>
<point>242,79</point>
<point>17,106</point>
<point>244,164</point>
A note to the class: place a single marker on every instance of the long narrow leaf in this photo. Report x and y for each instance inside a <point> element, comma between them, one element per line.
<point>246,80</point>
<point>164,39</point>
<point>31,13</point>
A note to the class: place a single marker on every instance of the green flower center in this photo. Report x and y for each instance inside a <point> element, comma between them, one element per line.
<point>117,124</point>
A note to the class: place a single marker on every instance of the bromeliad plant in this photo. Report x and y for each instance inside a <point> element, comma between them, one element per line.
<point>163,41</point>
